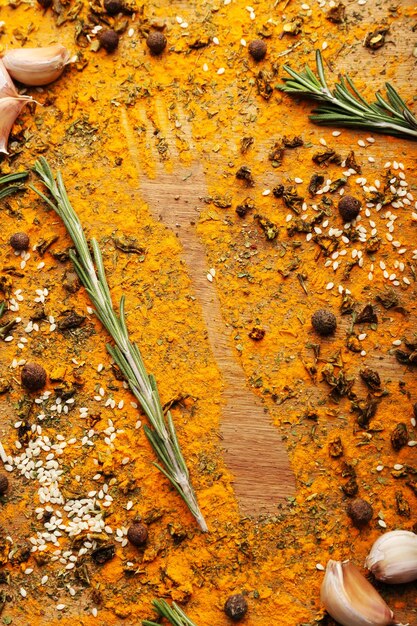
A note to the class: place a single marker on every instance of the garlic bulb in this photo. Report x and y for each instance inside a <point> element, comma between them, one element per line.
<point>350,598</point>
<point>10,108</point>
<point>393,557</point>
<point>36,66</point>
<point>7,89</point>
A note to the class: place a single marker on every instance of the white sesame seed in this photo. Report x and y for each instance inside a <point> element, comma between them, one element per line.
<point>59,607</point>
<point>298,180</point>
<point>362,336</point>
<point>329,286</point>
<point>361,143</point>
<point>396,342</point>
<point>23,592</point>
<point>324,45</point>
<point>323,142</point>
<point>398,467</point>
<point>412,443</point>
<point>336,133</point>
<point>320,567</point>
<point>380,521</point>
<point>221,70</point>
<point>266,192</point>
<point>379,468</point>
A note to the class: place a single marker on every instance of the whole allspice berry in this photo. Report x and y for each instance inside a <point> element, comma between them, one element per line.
<point>109,40</point>
<point>4,484</point>
<point>33,376</point>
<point>156,42</point>
<point>349,208</point>
<point>360,512</point>
<point>236,607</point>
<point>137,533</point>
<point>324,322</point>
<point>19,241</point>
<point>113,7</point>
<point>257,49</point>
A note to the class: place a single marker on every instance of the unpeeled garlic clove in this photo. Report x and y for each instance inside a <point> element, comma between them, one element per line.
<point>393,557</point>
<point>10,108</point>
<point>350,598</point>
<point>7,89</point>
<point>36,66</point>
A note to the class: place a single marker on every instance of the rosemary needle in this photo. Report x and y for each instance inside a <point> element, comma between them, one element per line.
<point>90,269</point>
<point>11,178</point>
<point>345,106</point>
<point>173,614</point>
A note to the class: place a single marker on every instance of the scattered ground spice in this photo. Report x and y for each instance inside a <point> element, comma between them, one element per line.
<point>201,116</point>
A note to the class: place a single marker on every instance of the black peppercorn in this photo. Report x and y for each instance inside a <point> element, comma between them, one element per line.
<point>257,49</point>
<point>137,534</point>
<point>109,40</point>
<point>360,512</point>
<point>33,376</point>
<point>45,4</point>
<point>236,607</point>
<point>324,322</point>
<point>113,7</point>
<point>156,42</point>
<point>4,484</point>
<point>19,241</point>
<point>349,208</point>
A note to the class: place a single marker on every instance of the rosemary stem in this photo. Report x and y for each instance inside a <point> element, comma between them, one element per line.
<point>90,269</point>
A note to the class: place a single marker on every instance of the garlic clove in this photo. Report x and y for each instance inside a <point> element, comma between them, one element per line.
<point>350,598</point>
<point>36,66</point>
<point>10,108</point>
<point>7,89</point>
<point>393,557</point>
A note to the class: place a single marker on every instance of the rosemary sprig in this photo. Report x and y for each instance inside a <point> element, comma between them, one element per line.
<point>90,269</point>
<point>345,106</point>
<point>11,178</point>
<point>173,614</point>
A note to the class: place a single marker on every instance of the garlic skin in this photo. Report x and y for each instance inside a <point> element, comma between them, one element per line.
<point>10,108</point>
<point>7,89</point>
<point>36,66</point>
<point>393,557</point>
<point>350,598</point>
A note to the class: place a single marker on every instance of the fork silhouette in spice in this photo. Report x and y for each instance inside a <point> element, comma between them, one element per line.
<point>253,449</point>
